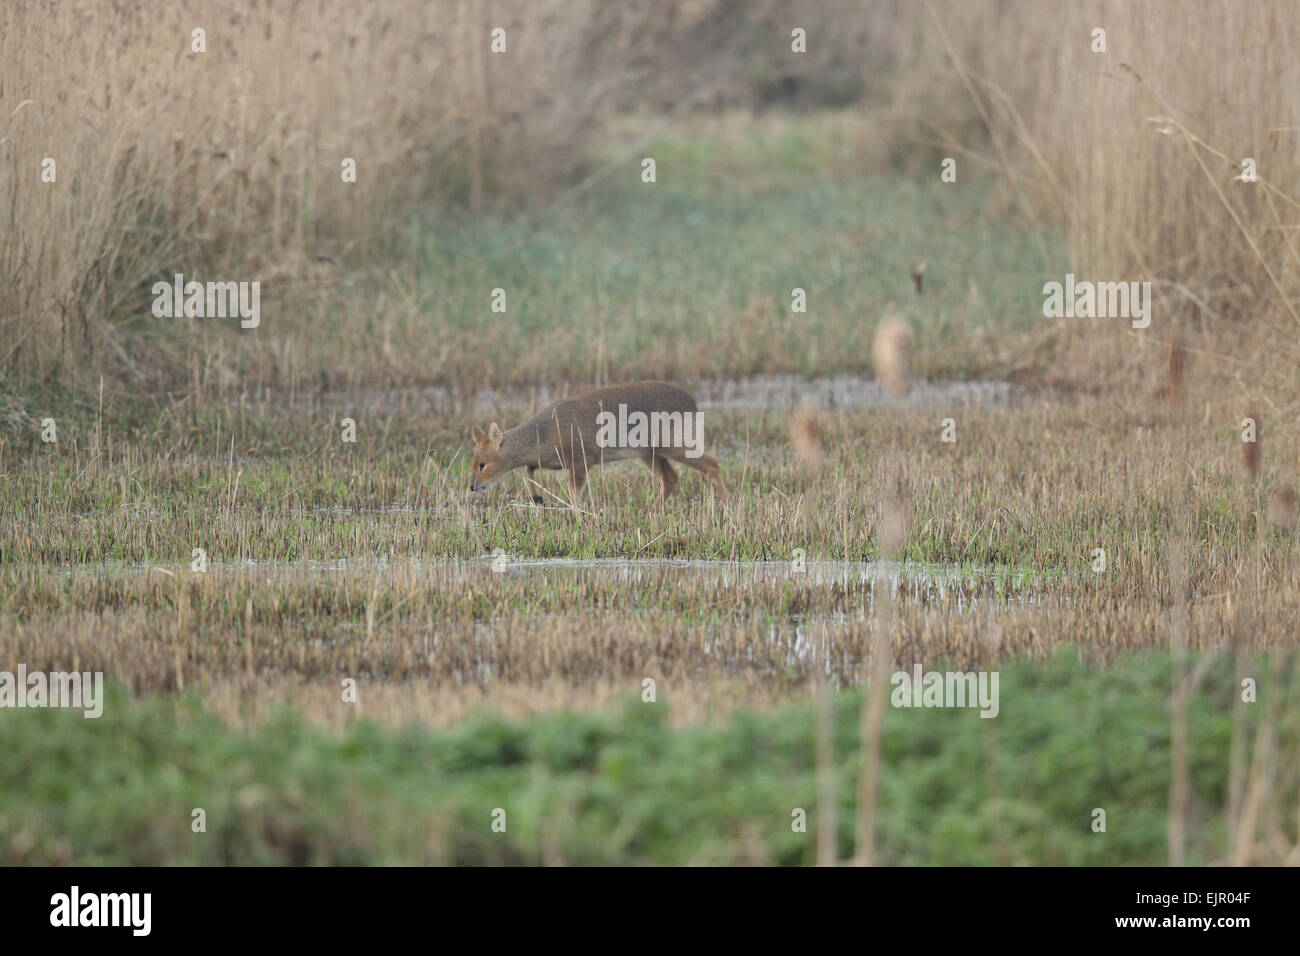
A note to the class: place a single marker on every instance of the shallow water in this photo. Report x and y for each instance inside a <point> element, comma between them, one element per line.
<point>759,392</point>
<point>843,391</point>
<point>814,572</point>
<point>942,583</point>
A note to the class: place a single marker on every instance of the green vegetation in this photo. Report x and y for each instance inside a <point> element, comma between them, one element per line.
<point>692,275</point>
<point>622,787</point>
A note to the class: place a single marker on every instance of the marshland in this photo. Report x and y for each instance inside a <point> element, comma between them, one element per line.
<point>310,627</point>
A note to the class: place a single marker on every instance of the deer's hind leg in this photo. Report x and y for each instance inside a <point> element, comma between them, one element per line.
<point>706,464</point>
<point>664,470</point>
<point>577,478</point>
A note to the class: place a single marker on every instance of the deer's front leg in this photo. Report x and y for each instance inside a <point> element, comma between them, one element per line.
<point>530,473</point>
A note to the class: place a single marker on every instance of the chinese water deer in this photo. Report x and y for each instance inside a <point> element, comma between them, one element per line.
<point>654,422</point>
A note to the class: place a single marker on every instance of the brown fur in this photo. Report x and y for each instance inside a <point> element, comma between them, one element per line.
<point>563,436</point>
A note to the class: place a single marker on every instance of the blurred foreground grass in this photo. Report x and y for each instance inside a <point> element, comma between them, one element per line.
<point>623,788</point>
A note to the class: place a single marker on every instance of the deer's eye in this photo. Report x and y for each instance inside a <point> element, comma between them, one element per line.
<point>482,465</point>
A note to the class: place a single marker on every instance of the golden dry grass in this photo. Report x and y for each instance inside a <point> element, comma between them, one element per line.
<point>227,163</point>
<point>1138,153</point>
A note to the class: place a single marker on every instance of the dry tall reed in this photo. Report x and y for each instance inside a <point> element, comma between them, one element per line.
<point>227,164</point>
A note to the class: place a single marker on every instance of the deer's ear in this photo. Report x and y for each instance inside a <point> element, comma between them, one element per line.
<point>478,435</point>
<point>494,434</point>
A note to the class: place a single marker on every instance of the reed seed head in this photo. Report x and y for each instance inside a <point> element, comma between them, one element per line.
<point>1174,364</point>
<point>805,435</point>
<point>1282,507</point>
<point>1252,451</point>
<point>890,352</point>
